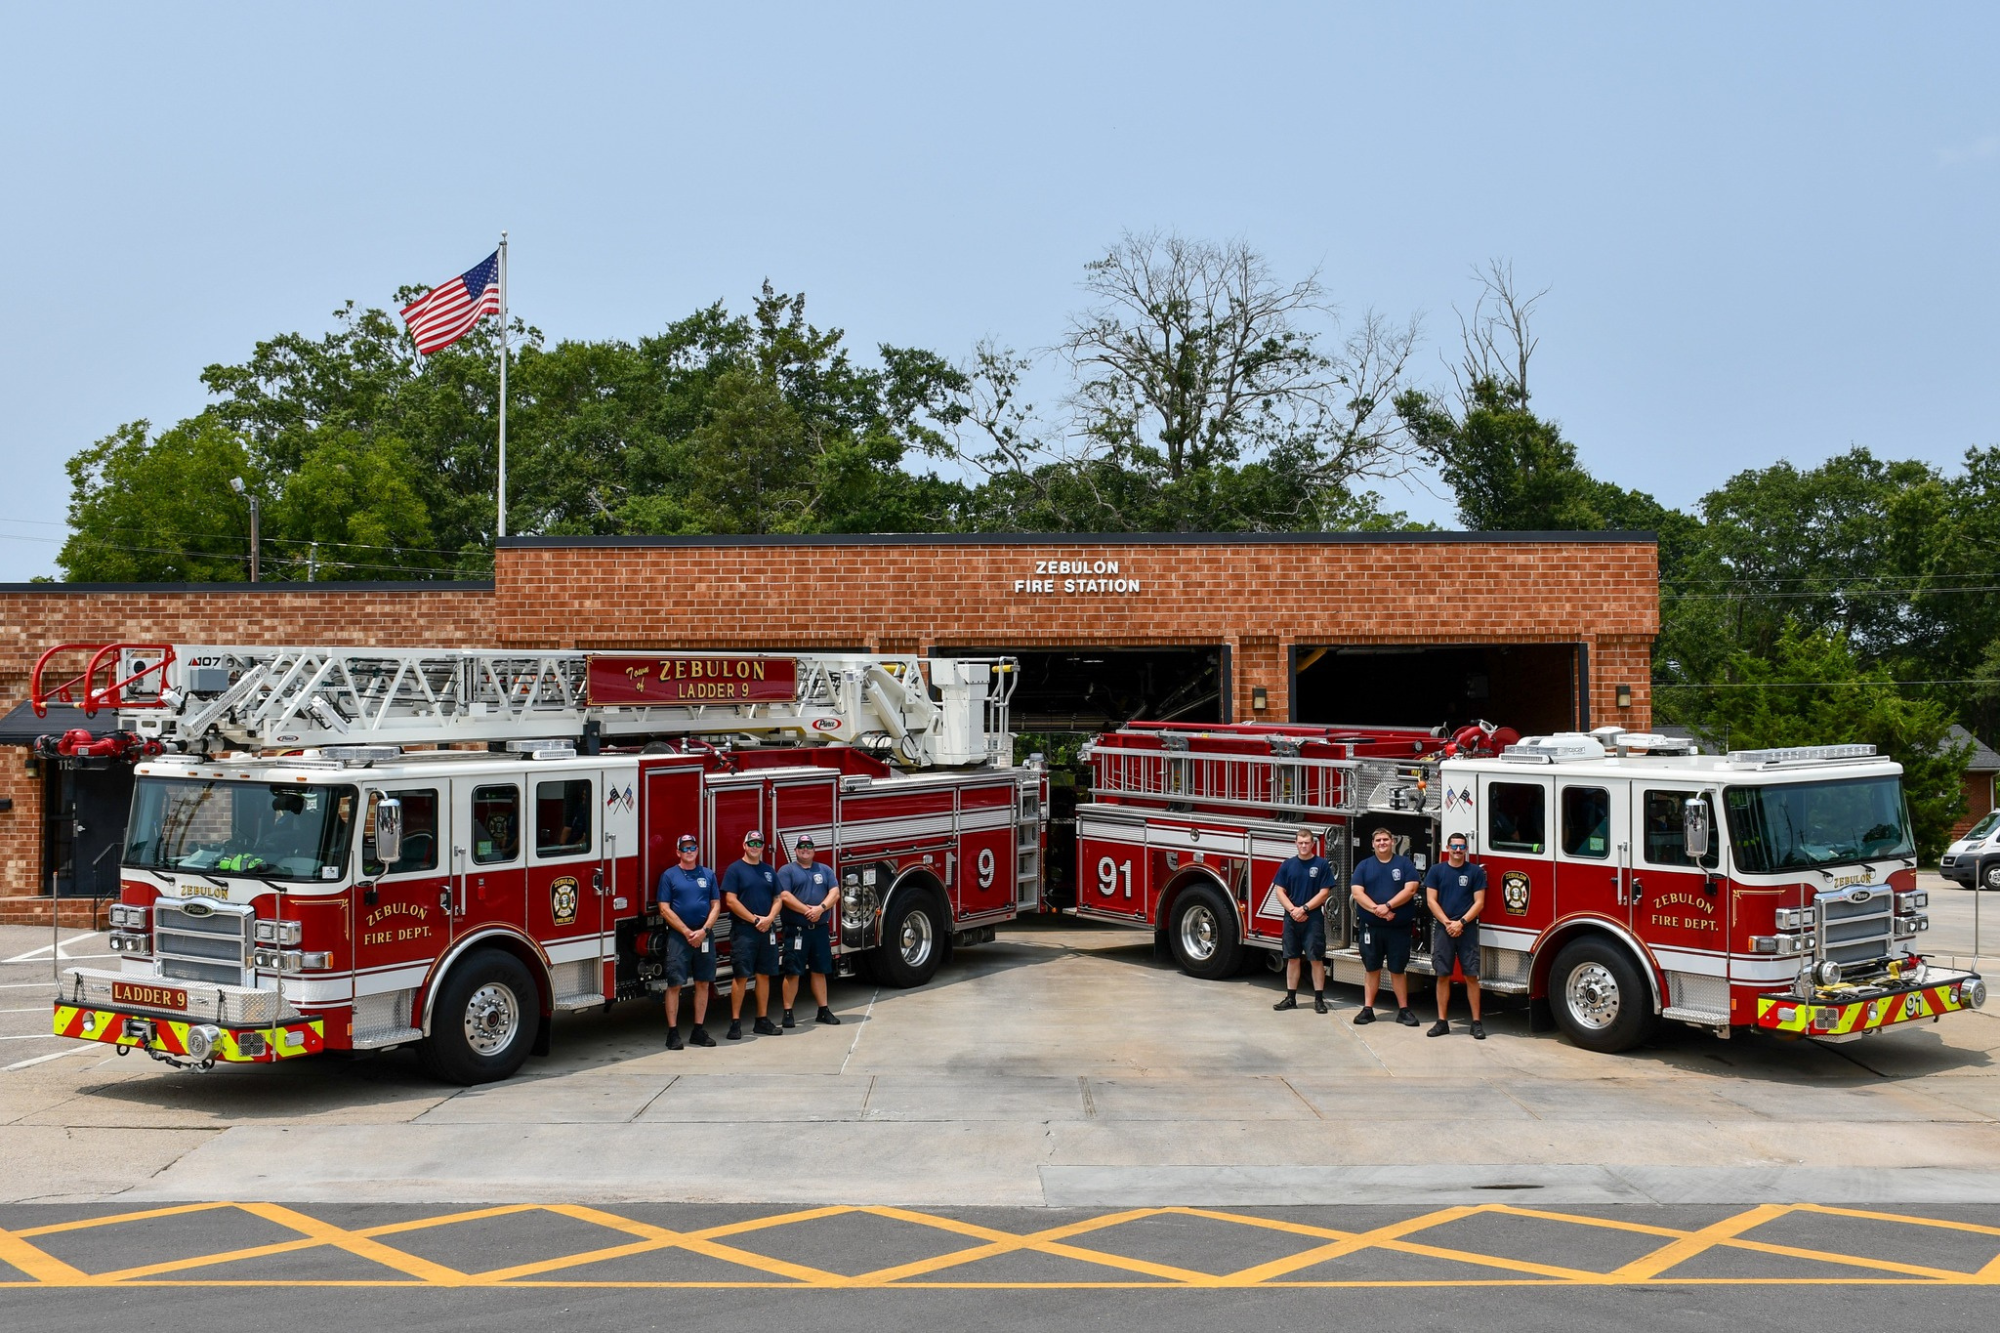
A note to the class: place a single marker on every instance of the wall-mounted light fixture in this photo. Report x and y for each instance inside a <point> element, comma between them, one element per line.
<point>1259,699</point>
<point>1623,695</point>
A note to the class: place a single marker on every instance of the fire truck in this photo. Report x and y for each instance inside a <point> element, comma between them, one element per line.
<point>1631,879</point>
<point>339,849</point>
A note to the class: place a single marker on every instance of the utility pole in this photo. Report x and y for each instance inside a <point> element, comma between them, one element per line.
<point>236,484</point>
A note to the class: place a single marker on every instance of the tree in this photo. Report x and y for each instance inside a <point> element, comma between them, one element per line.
<point>148,508</point>
<point>1812,689</point>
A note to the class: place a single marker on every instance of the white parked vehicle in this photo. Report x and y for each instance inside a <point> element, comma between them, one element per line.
<point>1974,860</point>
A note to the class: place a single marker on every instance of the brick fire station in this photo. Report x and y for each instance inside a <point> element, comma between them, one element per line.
<point>1539,631</point>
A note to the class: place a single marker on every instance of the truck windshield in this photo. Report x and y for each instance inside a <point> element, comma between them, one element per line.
<point>267,830</point>
<point>1798,826</point>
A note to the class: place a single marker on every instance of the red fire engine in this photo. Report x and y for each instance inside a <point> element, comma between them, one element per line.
<point>1630,878</point>
<point>311,866</point>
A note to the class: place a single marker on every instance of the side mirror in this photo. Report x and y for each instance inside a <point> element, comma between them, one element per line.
<point>1694,827</point>
<point>388,831</point>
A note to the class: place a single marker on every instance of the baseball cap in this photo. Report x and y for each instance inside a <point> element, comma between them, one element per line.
<point>753,836</point>
<point>804,840</point>
<point>687,840</point>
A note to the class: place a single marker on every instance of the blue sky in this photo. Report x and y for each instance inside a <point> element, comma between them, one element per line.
<point>1768,231</point>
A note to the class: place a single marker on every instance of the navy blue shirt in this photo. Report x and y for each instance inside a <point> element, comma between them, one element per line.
<point>756,887</point>
<point>1302,878</point>
<point>689,893</point>
<point>809,886</point>
<point>1382,880</point>
<point>1455,887</point>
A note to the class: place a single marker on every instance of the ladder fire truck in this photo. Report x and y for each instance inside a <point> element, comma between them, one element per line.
<point>1631,878</point>
<point>354,849</point>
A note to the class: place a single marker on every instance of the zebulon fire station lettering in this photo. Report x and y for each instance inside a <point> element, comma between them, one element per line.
<point>380,926</point>
<point>1094,582</point>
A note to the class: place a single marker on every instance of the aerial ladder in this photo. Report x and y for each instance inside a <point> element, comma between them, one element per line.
<point>205,699</point>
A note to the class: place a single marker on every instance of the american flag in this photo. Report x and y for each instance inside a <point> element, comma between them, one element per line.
<point>447,312</point>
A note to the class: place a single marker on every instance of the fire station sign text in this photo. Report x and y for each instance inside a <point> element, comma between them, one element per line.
<point>1079,578</point>
<point>642,681</point>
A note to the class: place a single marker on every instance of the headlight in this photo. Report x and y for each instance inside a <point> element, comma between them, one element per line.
<point>1794,918</point>
<point>1910,902</point>
<point>279,932</point>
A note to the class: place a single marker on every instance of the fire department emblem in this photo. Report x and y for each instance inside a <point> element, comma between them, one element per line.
<point>1514,888</point>
<point>562,900</point>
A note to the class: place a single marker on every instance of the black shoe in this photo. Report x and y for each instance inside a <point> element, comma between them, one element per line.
<point>1439,1029</point>
<point>1367,1015</point>
<point>827,1017</point>
<point>788,1019</point>
<point>764,1027</point>
<point>1319,1004</point>
<point>1478,1030</point>
<point>736,1029</point>
<point>1289,1002</point>
<point>1406,1017</point>
<point>700,1037</point>
<point>674,1040</point>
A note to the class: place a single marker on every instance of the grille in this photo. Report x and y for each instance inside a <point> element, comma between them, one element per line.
<point>1857,925</point>
<point>199,940</point>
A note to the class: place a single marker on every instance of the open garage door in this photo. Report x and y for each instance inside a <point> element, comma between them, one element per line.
<point>1067,695</point>
<point>1535,688</point>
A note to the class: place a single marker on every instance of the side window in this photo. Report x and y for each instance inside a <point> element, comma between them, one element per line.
<point>1516,817</point>
<point>562,817</point>
<point>1586,813</point>
<point>496,824</point>
<point>420,833</point>
<point>1666,817</point>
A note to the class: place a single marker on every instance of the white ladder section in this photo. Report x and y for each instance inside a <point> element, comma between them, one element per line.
<point>216,697</point>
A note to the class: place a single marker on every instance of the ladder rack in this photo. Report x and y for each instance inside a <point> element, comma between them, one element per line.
<point>200,698</point>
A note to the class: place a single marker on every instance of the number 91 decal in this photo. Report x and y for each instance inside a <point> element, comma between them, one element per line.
<point>1109,872</point>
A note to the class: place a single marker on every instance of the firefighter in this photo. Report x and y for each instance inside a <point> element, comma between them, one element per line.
<point>689,901</point>
<point>1455,891</point>
<point>1302,884</point>
<point>810,898</point>
<point>750,890</point>
<point>1384,888</point>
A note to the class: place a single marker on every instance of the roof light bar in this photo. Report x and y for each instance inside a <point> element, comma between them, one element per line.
<point>1800,754</point>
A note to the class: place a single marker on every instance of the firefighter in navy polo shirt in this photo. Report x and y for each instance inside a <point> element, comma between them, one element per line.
<point>1302,885</point>
<point>1455,891</point>
<point>1384,889</point>
<point>811,900</point>
<point>750,891</point>
<point>689,902</point>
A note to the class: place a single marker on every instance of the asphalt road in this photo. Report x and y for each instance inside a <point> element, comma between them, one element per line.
<point>1494,1266</point>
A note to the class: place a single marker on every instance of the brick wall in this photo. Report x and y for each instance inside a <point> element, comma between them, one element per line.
<point>1261,598</point>
<point>1978,802</point>
<point>37,618</point>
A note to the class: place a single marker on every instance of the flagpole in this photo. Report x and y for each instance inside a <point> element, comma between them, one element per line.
<point>503,384</point>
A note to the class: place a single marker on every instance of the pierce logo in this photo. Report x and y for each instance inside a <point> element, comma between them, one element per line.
<point>563,897</point>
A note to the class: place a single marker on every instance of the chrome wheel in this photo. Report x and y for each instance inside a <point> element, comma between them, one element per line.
<point>915,939</point>
<point>492,1019</point>
<point>1991,876</point>
<point>1200,932</point>
<point>1592,995</point>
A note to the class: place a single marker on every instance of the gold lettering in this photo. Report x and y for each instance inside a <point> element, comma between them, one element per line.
<point>758,667</point>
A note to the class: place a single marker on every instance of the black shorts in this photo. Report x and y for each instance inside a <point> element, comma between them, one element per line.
<point>753,951</point>
<point>808,949</point>
<point>685,962</point>
<point>1465,948</point>
<point>1384,943</point>
<point>1306,937</point>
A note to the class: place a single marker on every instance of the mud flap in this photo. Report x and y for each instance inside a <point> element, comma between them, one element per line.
<point>543,1031</point>
<point>1541,1018</point>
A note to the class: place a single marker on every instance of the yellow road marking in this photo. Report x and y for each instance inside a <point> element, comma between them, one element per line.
<point>1694,1242</point>
<point>45,1268</point>
<point>704,1242</point>
<point>85,1224</point>
<point>364,1246</point>
<point>1048,1241</point>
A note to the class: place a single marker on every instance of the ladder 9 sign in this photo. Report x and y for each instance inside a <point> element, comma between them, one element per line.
<point>633,681</point>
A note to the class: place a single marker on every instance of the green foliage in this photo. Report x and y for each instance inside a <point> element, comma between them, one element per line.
<point>159,508</point>
<point>1509,469</point>
<point>1812,689</point>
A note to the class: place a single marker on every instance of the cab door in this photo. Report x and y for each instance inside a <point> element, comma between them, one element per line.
<point>566,870</point>
<point>1593,848</point>
<point>1515,843</point>
<point>1677,903</point>
<point>403,910</point>
<point>490,869</point>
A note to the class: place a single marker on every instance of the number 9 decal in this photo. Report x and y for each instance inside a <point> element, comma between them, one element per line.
<point>986,867</point>
<point>1108,872</point>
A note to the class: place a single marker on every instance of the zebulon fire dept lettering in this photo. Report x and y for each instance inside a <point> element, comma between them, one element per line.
<point>1094,582</point>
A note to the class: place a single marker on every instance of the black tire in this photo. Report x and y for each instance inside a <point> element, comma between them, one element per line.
<point>1989,877</point>
<point>1600,1001</point>
<point>1201,930</point>
<point>913,941</point>
<point>484,1021</point>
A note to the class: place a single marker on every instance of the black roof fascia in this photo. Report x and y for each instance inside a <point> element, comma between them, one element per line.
<point>1081,539</point>
<point>385,585</point>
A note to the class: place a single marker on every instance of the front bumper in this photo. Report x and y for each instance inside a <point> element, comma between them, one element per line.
<point>1931,995</point>
<point>171,1038</point>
